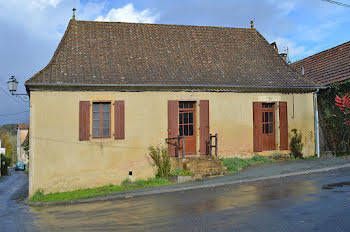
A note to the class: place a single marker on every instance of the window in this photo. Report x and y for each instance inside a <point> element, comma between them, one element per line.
<point>101,124</point>
<point>186,118</point>
<point>268,118</point>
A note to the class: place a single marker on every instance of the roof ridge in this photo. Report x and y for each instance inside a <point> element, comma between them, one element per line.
<point>319,53</point>
<point>56,51</point>
<point>163,24</point>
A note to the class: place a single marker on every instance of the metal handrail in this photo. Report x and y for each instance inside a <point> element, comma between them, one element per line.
<point>177,145</point>
<point>211,144</point>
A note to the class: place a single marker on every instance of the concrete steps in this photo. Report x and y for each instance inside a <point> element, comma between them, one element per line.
<point>202,166</point>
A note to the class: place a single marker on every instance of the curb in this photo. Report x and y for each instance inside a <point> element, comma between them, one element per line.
<point>151,191</point>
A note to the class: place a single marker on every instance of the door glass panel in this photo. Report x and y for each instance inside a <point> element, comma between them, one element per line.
<point>191,130</point>
<point>266,116</point>
<point>266,128</point>
<point>186,130</point>
<point>185,117</point>
<point>186,105</point>
<point>190,105</point>
<point>263,117</point>
<point>270,117</point>
<point>191,118</point>
<point>263,129</point>
<point>271,128</point>
<point>181,130</point>
<point>180,119</point>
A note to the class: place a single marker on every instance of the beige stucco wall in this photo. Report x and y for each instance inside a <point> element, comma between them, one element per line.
<point>60,162</point>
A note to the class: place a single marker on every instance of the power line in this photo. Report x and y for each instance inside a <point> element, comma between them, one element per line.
<point>337,3</point>
<point>9,95</point>
<point>4,83</point>
<point>2,115</point>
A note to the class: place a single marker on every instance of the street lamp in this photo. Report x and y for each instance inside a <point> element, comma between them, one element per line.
<point>12,85</point>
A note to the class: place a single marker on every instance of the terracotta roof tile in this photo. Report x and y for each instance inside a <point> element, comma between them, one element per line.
<point>166,55</point>
<point>327,67</point>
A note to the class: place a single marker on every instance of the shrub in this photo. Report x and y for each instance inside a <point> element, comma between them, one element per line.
<point>5,162</point>
<point>38,196</point>
<point>180,172</point>
<point>161,160</point>
<point>237,164</point>
<point>296,145</point>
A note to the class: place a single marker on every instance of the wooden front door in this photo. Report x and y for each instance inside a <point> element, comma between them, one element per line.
<point>268,126</point>
<point>187,126</point>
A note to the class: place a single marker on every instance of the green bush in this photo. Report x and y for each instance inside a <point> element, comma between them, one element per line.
<point>296,145</point>
<point>38,196</point>
<point>5,162</point>
<point>180,172</point>
<point>237,164</point>
<point>161,160</point>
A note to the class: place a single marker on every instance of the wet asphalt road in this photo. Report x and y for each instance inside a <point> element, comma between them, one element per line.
<point>289,204</point>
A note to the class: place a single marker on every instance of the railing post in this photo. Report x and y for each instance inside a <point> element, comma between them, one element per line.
<point>183,146</point>
<point>216,144</point>
<point>210,144</point>
<point>178,146</point>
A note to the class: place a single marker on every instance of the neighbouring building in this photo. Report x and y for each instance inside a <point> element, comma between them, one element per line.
<point>113,89</point>
<point>330,68</point>
<point>22,138</point>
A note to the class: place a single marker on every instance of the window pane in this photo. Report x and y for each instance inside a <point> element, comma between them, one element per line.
<point>105,131</point>
<point>191,130</point>
<point>191,118</point>
<point>266,128</point>
<point>181,130</point>
<point>271,117</point>
<point>105,115</point>
<point>96,116</point>
<point>96,107</point>
<point>185,117</point>
<point>263,128</point>
<point>271,128</point>
<point>190,105</point>
<point>266,116</point>
<point>180,118</point>
<point>181,105</point>
<point>105,123</point>
<point>186,105</point>
<point>105,107</point>
<point>96,132</point>
<point>263,117</point>
<point>96,124</point>
<point>186,130</point>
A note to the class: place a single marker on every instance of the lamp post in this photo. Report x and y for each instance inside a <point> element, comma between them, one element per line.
<point>12,85</point>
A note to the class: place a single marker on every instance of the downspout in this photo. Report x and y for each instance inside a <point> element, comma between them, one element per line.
<point>317,126</point>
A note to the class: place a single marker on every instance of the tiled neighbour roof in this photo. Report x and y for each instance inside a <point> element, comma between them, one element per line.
<point>105,53</point>
<point>327,67</point>
<point>23,126</point>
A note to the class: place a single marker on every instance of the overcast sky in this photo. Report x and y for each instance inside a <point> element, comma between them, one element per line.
<point>32,29</point>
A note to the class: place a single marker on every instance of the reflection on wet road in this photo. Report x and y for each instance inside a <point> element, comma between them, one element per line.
<point>288,204</point>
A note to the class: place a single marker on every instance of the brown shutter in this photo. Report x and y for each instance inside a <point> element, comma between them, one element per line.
<point>173,124</point>
<point>204,127</point>
<point>283,114</point>
<point>119,120</point>
<point>84,120</point>
<point>257,123</point>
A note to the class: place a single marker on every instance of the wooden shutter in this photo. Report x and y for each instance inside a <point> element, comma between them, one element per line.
<point>84,120</point>
<point>204,127</point>
<point>257,123</point>
<point>283,116</point>
<point>173,124</point>
<point>119,120</point>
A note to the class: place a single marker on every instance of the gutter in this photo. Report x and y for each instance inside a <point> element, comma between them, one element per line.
<point>166,85</point>
<point>317,126</point>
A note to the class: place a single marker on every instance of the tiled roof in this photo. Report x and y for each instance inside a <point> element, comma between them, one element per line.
<point>327,67</point>
<point>23,126</point>
<point>110,53</point>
